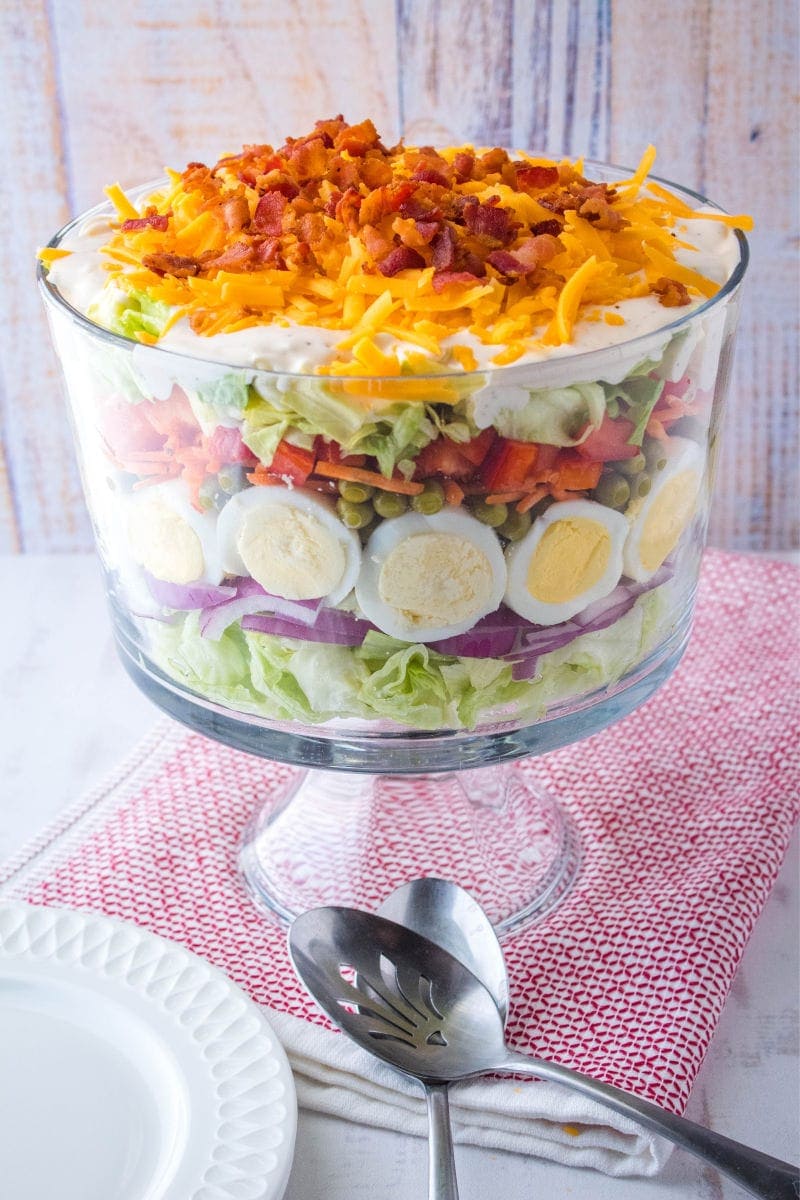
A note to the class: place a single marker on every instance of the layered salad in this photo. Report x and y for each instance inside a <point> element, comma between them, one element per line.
<point>410,435</point>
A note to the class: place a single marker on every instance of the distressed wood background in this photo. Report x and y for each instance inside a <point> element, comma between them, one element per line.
<point>91,92</point>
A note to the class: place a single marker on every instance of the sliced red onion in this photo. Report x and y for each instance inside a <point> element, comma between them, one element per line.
<point>493,636</point>
<point>332,625</point>
<point>501,634</point>
<point>525,668</point>
<point>248,598</point>
<point>187,595</point>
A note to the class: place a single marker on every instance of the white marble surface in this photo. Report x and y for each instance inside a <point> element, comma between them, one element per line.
<point>69,714</point>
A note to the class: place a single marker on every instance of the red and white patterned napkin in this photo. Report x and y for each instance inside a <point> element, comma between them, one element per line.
<point>684,810</point>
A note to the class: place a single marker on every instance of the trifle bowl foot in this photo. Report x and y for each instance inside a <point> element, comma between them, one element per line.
<point>337,837</point>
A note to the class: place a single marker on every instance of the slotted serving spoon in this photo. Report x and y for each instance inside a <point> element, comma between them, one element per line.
<point>449,916</point>
<point>419,1009</point>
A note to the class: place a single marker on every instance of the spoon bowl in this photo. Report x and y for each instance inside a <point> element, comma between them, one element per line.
<point>444,913</point>
<point>412,1004</point>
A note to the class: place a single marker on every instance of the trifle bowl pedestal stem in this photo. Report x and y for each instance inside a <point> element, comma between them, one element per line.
<point>338,837</point>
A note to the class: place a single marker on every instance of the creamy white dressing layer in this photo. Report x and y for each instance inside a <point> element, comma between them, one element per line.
<point>713,250</point>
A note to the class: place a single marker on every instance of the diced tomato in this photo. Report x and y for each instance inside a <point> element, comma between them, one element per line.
<point>332,452</point>
<point>126,428</point>
<point>174,418</point>
<point>508,464</point>
<point>226,446</point>
<point>575,474</point>
<point>443,457</point>
<point>609,442</point>
<point>478,448</point>
<point>292,463</point>
<point>547,459</point>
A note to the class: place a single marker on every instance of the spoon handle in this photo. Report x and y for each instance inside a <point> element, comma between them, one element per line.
<point>441,1163</point>
<point>758,1173</point>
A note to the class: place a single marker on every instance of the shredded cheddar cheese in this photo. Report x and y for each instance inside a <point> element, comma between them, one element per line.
<point>334,229</point>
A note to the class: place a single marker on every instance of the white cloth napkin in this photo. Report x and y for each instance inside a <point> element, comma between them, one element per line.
<point>334,1076</point>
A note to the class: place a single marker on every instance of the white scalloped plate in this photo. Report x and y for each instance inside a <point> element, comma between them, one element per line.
<point>130,1069</point>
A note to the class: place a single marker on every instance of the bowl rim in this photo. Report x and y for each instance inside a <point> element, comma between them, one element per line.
<point>52,295</point>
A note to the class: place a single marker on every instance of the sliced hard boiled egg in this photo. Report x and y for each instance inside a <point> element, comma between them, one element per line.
<point>425,578</point>
<point>570,557</point>
<point>167,536</point>
<point>289,541</point>
<point>657,521</point>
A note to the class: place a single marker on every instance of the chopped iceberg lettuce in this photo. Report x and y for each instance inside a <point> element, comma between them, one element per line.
<point>555,416</point>
<point>407,683</point>
<point>634,398</point>
<point>391,432</point>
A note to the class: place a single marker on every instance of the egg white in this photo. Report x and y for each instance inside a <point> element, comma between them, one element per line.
<point>481,563</point>
<point>520,555</point>
<point>684,458</point>
<point>160,530</point>
<point>263,502</point>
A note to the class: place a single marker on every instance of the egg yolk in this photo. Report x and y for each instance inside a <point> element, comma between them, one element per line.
<point>571,557</point>
<point>164,543</point>
<point>436,579</point>
<point>667,518</point>
<point>291,553</point>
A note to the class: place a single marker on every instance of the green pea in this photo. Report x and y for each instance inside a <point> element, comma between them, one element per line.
<point>356,493</point>
<point>211,495</point>
<point>354,516</point>
<point>516,525</point>
<point>232,478</point>
<point>613,490</point>
<point>389,504</point>
<point>631,466</point>
<point>492,515</point>
<point>654,454</point>
<point>430,501</point>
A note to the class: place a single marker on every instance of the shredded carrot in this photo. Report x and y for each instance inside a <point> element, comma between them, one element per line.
<point>356,475</point>
<point>453,494</point>
<point>504,497</point>
<point>532,498</point>
<point>261,476</point>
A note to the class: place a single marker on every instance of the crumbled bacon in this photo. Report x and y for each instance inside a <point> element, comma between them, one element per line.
<point>552,227</point>
<point>236,213</point>
<point>309,160</point>
<point>427,230</point>
<point>266,251</point>
<point>526,257</point>
<point>400,259</point>
<point>268,217</point>
<point>385,200</point>
<point>171,264</point>
<point>347,209</point>
<point>488,220</point>
<point>671,292</point>
<point>534,177</point>
<point>462,165</point>
<point>444,249</point>
<point>276,180</point>
<point>357,139</point>
<point>151,221</point>
<point>507,264</point>
<point>429,175</point>
<point>237,257</point>
<point>337,201</point>
<point>377,245</point>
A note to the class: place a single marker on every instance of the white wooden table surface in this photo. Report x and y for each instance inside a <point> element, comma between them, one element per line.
<point>69,714</point>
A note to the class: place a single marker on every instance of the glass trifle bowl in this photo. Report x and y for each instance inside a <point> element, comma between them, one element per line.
<point>399,464</point>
